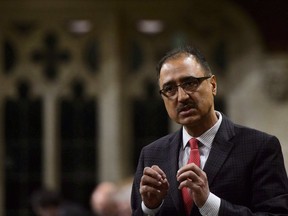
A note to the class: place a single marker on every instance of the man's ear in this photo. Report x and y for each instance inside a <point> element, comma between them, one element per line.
<point>213,84</point>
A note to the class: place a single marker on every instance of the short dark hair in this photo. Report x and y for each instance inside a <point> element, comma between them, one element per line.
<point>45,198</point>
<point>185,50</point>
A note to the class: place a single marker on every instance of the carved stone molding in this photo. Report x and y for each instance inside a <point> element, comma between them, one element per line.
<point>275,77</point>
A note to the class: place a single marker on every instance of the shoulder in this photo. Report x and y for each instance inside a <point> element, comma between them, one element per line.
<point>242,129</point>
<point>253,133</point>
<point>160,147</point>
<point>163,142</point>
<point>246,134</point>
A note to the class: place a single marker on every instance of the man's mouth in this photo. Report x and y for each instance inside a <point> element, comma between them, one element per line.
<point>182,109</point>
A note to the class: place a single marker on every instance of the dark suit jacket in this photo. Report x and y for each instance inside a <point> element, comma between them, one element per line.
<point>245,169</point>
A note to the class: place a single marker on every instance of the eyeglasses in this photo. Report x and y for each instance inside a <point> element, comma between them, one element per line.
<point>189,85</point>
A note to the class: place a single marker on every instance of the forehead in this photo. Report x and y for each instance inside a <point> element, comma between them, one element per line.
<point>178,68</point>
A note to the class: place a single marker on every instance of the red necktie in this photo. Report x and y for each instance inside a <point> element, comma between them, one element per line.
<point>194,158</point>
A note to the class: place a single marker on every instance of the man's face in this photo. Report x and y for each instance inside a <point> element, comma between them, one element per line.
<point>189,109</point>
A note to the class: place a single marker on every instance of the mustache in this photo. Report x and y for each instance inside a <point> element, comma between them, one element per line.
<point>186,106</point>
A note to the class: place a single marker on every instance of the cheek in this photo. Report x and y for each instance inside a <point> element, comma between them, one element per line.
<point>171,110</point>
<point>206,102</point>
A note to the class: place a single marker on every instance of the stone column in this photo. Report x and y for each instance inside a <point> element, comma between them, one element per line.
<point>2,164</point>
<point>110,103</point>
<point>51,160</point>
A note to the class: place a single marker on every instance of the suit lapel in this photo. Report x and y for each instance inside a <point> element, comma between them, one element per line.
<point>172,168</point>
<point>220,150</point>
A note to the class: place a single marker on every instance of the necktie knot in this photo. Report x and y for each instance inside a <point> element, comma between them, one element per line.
<point>193,142</point>
<point>194,152</point>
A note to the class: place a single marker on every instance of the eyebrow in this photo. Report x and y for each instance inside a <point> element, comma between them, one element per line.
<point>183,79</point>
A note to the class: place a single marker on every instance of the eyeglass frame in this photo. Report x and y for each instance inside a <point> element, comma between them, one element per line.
<point>175,87</point>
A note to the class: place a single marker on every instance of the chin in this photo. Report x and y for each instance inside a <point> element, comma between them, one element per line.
<point>189,121</point>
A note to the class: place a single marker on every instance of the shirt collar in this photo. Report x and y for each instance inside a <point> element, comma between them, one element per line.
<point>207,137</point>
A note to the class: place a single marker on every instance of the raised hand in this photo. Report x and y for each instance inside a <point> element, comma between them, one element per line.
<point>153,186</point>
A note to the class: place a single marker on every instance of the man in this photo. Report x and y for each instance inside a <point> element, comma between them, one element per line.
<point>123,197</point>
<point>238,171</point>
<point>103,201</point>
<point>46,203</point>
<point>49,203</point>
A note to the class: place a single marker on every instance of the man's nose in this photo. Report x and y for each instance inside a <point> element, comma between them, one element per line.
<point>182,94</point>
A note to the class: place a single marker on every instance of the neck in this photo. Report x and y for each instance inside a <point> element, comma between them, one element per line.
<point>203,125</point>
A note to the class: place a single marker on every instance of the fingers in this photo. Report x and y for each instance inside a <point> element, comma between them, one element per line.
<point>194,182</point>
<point>192,177</point>
<point>154,172</point>
<point>153,186</point>
<point>159,171</point>
<point>191,167</point>
<point>150,183</point>
<point>191,172</point>
<point>153,179</point>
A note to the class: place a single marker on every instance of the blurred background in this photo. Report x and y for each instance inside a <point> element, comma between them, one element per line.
<point>78,87</point>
